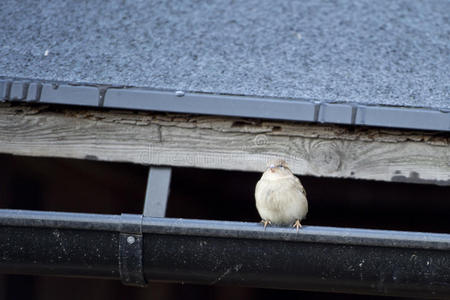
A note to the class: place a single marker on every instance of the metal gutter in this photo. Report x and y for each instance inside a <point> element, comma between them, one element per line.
<point>377,262</point>
<point>225,105</point>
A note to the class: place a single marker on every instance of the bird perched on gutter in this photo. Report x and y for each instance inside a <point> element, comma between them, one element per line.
<point>280,197</point>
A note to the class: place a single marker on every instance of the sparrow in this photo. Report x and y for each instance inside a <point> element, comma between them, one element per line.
<point>280,197</point>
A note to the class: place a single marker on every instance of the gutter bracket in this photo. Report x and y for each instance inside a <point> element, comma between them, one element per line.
<point>131,266</point>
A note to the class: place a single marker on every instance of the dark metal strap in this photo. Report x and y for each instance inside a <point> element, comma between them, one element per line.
<point>130,238</point>
<point>131,251</point>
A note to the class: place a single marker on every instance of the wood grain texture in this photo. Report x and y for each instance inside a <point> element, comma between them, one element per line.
<point>224,143</point>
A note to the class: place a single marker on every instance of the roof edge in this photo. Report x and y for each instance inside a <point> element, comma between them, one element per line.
<point>83,94</point>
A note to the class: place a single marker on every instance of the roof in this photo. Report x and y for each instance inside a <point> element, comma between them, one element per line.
<point>343,55</point>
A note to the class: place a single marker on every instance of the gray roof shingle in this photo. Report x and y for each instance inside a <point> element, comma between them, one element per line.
<point>394,53</point>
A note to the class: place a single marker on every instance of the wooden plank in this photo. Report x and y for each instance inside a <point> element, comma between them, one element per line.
<point>225,143</point>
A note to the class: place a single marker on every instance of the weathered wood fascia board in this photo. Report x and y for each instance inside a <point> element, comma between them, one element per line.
<point>224,143</point>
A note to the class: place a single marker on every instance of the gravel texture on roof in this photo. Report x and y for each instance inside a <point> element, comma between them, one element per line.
<point>369,52</point>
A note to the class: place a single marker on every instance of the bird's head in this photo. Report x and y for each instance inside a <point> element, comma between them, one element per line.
<point>278,166</point>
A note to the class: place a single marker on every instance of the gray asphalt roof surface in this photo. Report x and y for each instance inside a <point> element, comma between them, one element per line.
<point>370,52</point>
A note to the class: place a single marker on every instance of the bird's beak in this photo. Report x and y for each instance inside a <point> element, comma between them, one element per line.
<point>272,169</point>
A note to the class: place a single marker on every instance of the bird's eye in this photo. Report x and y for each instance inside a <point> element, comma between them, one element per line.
<point>280,166</point>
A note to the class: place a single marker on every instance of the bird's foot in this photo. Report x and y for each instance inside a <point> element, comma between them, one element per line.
<point>297,225</point>
<point>266,222</point>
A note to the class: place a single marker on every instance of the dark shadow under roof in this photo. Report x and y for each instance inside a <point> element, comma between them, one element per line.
<point>369,53</point>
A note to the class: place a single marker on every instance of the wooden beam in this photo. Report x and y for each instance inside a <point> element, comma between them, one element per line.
<point>224,143</point>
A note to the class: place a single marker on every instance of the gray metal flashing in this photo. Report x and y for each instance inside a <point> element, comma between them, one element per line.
<point>19,90</point>
<point>403,118</point>
<point>336,113</point>
<point>240,106</point>
<point>72,95</point>
<point>5,87</point>
<point>226,105</point>
<point>34,92</point>
<point>157,193</point>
